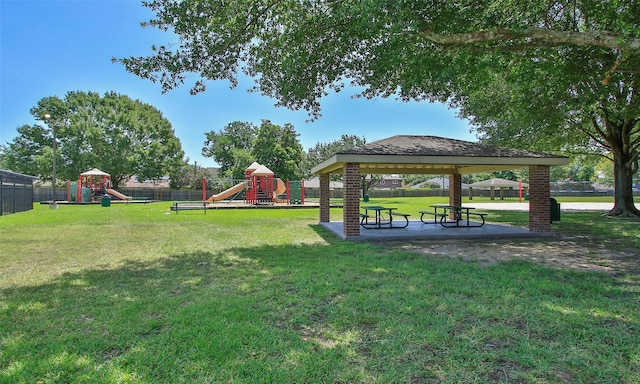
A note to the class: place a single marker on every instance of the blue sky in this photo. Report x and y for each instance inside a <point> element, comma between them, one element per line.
<point>49,48</point>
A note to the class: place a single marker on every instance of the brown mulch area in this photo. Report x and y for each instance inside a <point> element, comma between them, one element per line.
<point>580,253</point>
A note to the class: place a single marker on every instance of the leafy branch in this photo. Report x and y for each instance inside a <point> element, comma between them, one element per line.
<point>549,37</point>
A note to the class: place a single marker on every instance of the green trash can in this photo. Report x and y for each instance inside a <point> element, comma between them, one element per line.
<point>366,198</point>
<point>106,201</point>
<point>555,210</point>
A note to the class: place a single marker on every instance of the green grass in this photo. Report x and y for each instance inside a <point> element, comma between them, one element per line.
<point>132,294</point>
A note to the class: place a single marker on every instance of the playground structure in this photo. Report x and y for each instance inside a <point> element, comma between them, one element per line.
<point>261,187</point>
<point>91,187</point>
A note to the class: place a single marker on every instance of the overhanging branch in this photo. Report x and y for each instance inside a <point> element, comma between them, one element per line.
<point>548,37</point>
<point>598,129</point>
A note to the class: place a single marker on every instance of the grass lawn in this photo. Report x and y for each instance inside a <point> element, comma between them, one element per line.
<point>135,294</point>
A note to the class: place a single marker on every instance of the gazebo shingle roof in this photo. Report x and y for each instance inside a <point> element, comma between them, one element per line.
<point>413,145</point>
<point>406,154</point>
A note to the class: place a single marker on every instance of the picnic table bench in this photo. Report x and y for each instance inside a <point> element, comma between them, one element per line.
<point>436,216</point>
<point>459,215</point>
<point>404,215</point>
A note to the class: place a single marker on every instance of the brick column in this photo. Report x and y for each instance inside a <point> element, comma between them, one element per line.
<point>455,190</point>
<point>351,196</point>
<point>325,204</point>
<point>539,195</point>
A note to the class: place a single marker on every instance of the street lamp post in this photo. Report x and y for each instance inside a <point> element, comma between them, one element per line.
<point>53,204</point>
<point>195,179</point>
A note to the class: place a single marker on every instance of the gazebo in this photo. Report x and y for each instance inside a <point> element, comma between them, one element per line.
<point>499,183</point>
<point>404,154</point>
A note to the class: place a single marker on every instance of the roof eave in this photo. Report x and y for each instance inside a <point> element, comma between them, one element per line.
<point>429,164</point>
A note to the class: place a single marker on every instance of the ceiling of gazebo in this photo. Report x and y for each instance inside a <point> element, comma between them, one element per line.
<point>434,155</point>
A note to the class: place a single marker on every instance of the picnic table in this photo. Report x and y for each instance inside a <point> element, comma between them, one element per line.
<point>381,217</point>
<point>459,216</point>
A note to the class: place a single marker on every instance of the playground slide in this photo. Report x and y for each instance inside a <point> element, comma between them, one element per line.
<point>281,188</point>
<point>228,192</point>
<point>117,194</point>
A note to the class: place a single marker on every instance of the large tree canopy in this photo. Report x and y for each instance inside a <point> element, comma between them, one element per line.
<point>279,149</point>
<point>231,148</point>
<point>121,136</point>
<point>562,74</point>
<point>239,144</point>
<point>323,151</point>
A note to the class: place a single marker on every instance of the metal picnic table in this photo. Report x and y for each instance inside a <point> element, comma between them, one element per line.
<point>380,219</point>
<point>460,214</point>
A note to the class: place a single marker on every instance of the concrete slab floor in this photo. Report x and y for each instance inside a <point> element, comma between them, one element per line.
<point>419,230</point>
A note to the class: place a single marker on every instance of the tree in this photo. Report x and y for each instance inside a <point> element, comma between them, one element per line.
<point>559,74</point>
<point>2,157</point>
<point>323,151</point>
<point>581,168</point>
<point>31,152</point>
<point>121,136</point>
<point>239,144</point>
<point>231,148</point>
<point>603,173</point>
<point>189,176</point>
<point>279,149</point>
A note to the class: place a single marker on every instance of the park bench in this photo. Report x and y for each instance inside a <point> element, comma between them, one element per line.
<point>363,219</point>
<point>481,215</point>
<point>464,221</point>
<point>189,206</point>
<point>437,216</point>
<point>404,215</point>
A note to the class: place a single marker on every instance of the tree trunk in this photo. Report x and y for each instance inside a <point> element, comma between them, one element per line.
<point>364,185</point>
<point>623,193</point>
